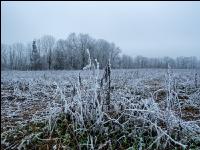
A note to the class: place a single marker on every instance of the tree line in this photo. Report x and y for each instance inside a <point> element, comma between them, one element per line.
<point>47,53</point>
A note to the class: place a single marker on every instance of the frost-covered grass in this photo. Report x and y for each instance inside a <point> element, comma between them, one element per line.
<point>140,109</point>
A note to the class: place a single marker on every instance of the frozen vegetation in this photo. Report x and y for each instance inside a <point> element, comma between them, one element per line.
<point>78,92</point>
<point>100,109</point>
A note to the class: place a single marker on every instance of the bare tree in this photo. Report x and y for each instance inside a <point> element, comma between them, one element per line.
<point>35,58</point>
<point>4,55</point>
<point>84,41</point>
<point>114,52</point>
<point>61,55</point>
<point>73,51</point>
<point>47,44</point>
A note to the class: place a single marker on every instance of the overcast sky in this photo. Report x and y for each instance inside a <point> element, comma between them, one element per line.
<point>152,29</point>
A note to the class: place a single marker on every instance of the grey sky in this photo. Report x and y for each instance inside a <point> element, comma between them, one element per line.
<point>139,28</point>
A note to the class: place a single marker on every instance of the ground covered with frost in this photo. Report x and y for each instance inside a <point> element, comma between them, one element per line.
<point>89,109</point>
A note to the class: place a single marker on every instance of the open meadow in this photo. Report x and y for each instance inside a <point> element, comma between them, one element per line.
<point>97,109</point>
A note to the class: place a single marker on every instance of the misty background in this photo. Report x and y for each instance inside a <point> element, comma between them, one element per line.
<point>132,34</point>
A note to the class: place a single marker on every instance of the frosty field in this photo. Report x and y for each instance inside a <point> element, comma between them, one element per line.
<point>140,109</point>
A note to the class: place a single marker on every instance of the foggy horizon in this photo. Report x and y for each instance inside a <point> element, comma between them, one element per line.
<point>149,29</point>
